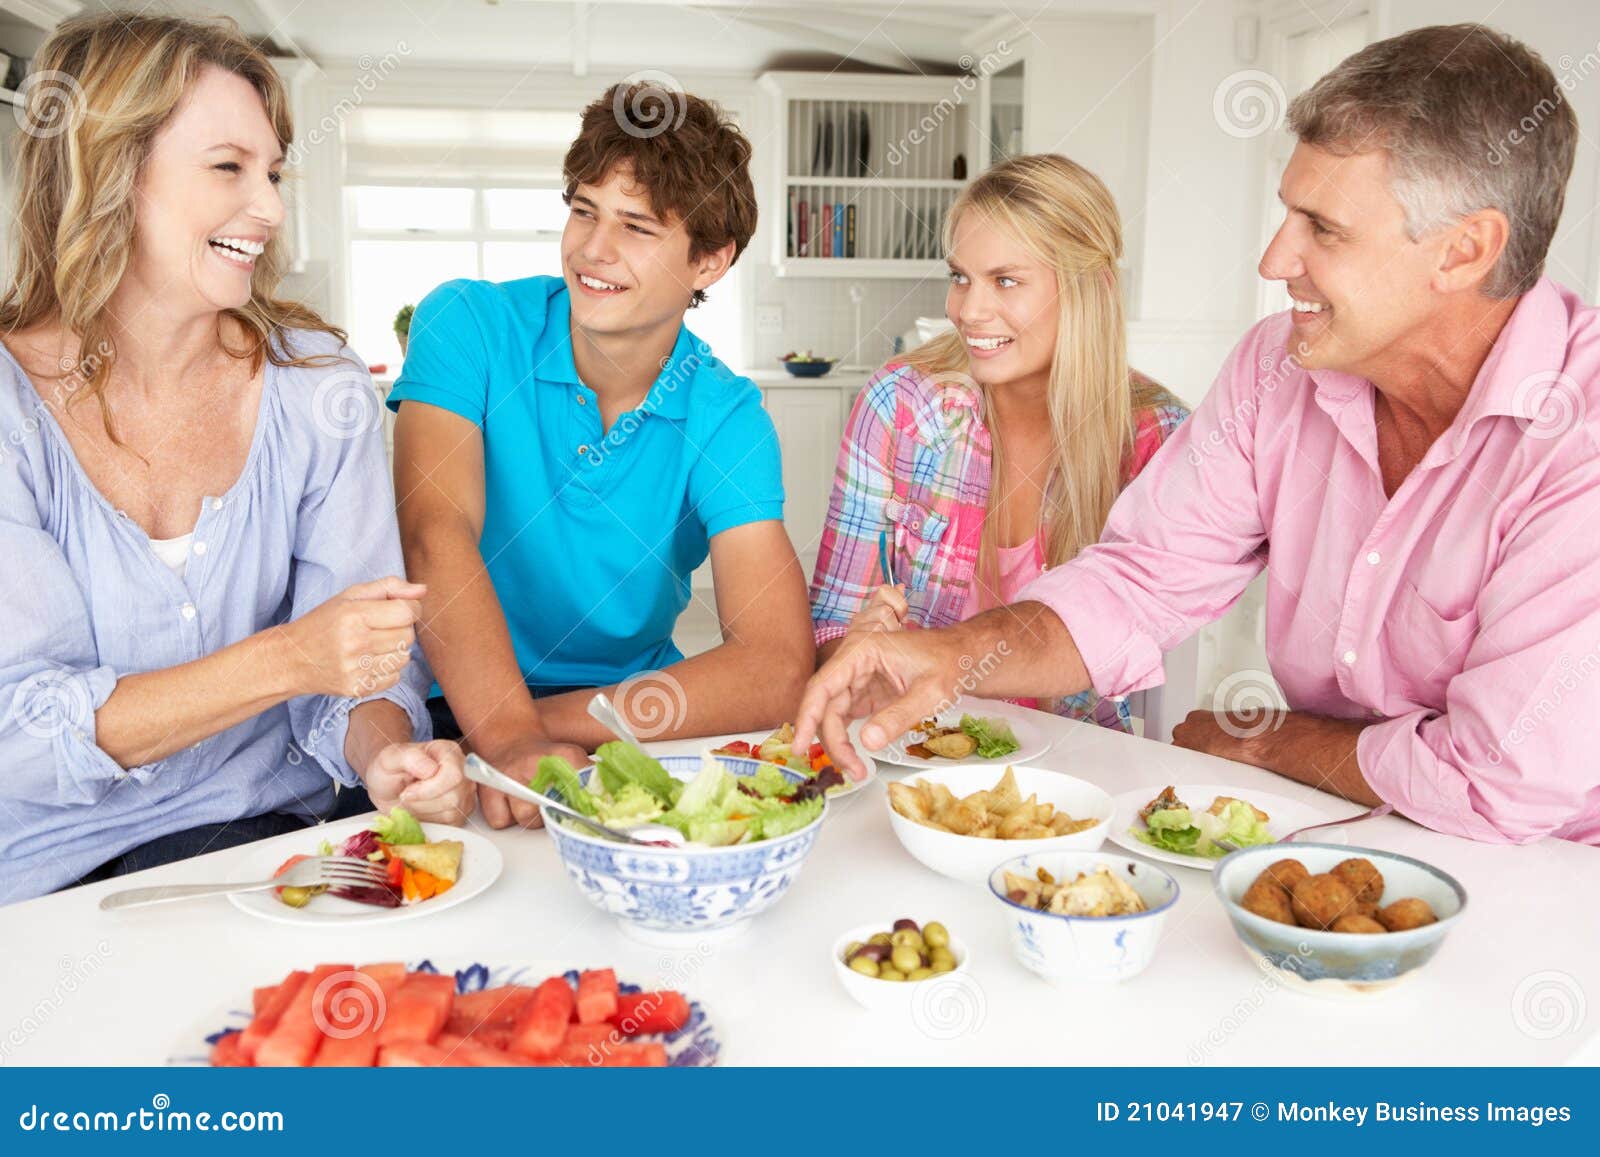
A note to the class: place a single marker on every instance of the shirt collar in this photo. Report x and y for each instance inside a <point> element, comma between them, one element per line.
<point>668,396</point>
<point>1523,366</point>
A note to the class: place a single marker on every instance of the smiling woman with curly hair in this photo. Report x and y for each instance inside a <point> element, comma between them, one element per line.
<point>205,626</point>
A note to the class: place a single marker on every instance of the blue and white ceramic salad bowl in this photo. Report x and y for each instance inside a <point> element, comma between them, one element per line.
<point>673,895</point>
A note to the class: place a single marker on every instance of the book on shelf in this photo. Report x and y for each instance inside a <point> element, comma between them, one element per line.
<point>825,242</point>
<point>838,229</point>
<point>850,230</point>
<point>815,235</point>
<point>790,241</point>
<point>802,241</point>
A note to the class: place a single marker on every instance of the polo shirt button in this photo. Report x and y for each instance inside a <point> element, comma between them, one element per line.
<point>582,450</point>
<point>187,610</point>
<point>1349,657</point>
<point>199,548</point>
<point>1374,558</point>
<point>216,504</point>
<point>1377,712</point>
<point>582,401</point>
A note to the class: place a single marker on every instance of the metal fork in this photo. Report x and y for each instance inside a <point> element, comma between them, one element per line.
<point>333,871</point>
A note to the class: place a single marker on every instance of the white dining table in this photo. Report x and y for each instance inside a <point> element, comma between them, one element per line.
<point>1511,985</point>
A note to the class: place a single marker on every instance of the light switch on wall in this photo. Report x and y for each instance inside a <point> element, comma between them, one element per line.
<point>769,319</point>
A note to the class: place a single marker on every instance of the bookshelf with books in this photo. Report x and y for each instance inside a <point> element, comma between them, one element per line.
<point>866,169</point>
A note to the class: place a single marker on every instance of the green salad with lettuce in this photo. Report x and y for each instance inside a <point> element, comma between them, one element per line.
<point>1173,826</point>
<point>715,808</point>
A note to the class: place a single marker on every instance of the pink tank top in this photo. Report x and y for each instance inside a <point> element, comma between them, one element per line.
<point>1019,566</point>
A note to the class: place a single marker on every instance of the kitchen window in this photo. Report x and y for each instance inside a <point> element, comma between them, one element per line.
<point>407,239</point>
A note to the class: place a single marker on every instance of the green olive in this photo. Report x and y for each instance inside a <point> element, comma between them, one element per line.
<point>906,958</point>
<point>890,974</point>
<point>919,974</point>
<point>944,963</point>
<point>880,938</point>
<point>865,965</point>
<point>936,935</point>
<point>910,937</point>
<point>855,946</point>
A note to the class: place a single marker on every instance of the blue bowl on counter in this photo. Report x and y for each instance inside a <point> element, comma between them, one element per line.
<point>1339,964</point>
<point>683,896</point>
<point>813,368</point>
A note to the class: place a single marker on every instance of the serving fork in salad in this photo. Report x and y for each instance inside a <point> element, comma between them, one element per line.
<point>312,872</point>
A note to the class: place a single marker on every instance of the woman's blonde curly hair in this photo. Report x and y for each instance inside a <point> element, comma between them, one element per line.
<point>102,89</point>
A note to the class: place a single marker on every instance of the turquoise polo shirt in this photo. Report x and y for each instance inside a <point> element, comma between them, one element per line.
<point>589,535</point>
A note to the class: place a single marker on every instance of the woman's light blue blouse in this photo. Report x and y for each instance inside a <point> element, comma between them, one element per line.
<point>85,601</point>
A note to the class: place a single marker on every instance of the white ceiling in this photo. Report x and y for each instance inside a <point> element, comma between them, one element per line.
<point>737,36</point>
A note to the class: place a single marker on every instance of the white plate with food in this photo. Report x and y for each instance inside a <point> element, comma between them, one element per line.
<point>778,747</point>
<point>1193,816</point>
<point>447,867</point>
<point>973,731</point>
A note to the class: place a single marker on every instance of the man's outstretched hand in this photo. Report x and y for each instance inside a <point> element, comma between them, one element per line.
<point>898,678</point>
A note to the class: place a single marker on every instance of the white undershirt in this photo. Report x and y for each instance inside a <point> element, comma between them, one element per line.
<point>174,552</point>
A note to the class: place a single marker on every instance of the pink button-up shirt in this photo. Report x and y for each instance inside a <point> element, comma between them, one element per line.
<point>1461,616</point>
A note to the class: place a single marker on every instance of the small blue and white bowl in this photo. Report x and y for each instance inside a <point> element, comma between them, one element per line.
<point>1339,964</point>
<point>1086,949</point>
<point>675,897</point>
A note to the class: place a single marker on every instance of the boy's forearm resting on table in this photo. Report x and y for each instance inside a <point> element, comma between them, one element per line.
<point>737,686</point>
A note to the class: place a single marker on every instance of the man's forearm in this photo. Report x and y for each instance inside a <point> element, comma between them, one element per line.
<point>464,635</point>
<point>1314,750</point>
<point>731,688</point>
<point>1019,650</point>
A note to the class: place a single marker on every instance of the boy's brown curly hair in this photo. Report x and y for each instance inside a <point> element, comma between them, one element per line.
<point>692,161</point>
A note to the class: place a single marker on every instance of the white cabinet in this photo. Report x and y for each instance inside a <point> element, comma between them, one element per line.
<point>809,421</point>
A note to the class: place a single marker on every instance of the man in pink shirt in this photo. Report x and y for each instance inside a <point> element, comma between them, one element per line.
<point>1413,453</point>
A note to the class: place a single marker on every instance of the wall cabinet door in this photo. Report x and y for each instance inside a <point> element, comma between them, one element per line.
<point>809,424</point>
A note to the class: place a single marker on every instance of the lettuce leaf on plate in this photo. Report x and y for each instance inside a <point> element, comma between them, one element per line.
<point>995,737</point>
<point>398,827</point>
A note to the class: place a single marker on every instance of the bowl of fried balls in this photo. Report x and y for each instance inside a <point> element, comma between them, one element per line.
<point>1334,920</point>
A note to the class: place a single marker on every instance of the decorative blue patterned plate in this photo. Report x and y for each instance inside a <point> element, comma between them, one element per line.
<point>695,1045</point>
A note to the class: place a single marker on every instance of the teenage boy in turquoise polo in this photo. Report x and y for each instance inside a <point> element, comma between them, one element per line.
<point>567,453</point>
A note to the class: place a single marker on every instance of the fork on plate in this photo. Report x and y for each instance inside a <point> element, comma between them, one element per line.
<point>332,871</point>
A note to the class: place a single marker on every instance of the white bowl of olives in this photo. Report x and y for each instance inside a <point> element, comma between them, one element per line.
<point>899,964</point>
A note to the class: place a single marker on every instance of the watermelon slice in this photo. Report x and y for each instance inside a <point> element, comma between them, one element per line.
<point>267,1019</point>
<point>383,981</point>
<point>412,1055</point>
<point>225,1054</point>
<point>294,1039</point>
<point>473,1054</point>
<point>419,1009</point>
<point>542,1024</point>
<point>639,1013</point>
<point>597,995</point>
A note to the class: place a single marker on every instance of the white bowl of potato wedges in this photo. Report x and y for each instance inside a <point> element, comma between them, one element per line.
<point>965,821</point>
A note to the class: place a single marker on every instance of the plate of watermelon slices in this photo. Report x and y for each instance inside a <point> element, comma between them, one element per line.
<point>425,1015</point>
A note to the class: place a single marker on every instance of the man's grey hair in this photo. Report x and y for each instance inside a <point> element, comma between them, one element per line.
<point>1471,119</point>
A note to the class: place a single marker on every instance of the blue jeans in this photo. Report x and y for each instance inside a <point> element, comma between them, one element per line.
<point>174,846</point>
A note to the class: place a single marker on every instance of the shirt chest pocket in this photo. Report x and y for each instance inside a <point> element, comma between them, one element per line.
<point>918,530</point>
<point>1429,647</point>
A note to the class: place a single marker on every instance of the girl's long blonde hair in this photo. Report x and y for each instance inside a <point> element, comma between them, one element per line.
<point>102,89</point>
<point>1065,216</point>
